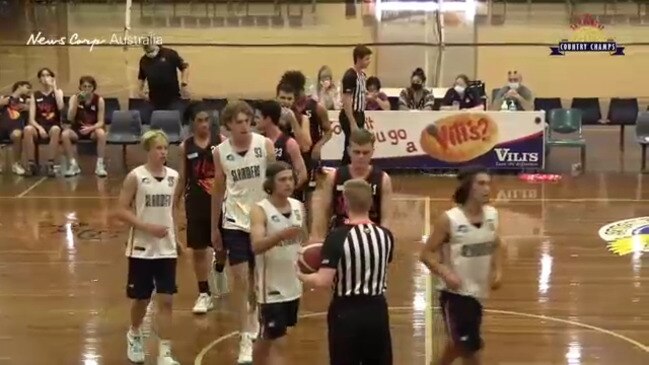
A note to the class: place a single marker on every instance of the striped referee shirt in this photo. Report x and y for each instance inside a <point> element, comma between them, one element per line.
<point>354,84</point>
<point>360,254</point>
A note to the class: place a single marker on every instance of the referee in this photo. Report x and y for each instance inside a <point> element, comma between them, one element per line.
<point>355,257</point>
<point>352,116</point>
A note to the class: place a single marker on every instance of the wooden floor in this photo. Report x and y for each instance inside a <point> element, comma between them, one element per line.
<point>566,299</point>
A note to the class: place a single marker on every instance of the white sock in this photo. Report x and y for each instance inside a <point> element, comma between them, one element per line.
<point>100,160</point>
<point>164,347</point>
<point>73,162</point>
<point>134,332</point>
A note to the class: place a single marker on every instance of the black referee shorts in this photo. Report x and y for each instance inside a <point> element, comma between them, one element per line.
<point>359,331</point>
<point>345,126</point>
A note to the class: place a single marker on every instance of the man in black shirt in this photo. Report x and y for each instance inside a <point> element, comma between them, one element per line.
<point>332,211</point>
<point>196,181</point>
<point>358,319</point>
<point>352,116</point>
<point>159,67</point>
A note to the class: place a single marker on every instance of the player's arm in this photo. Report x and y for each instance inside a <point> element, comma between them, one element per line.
<point>497,259</point>
<point>349,85</point>
<point>58,96</point>
<point>386,200</point>
<point>301,130</point>
<point>181,176</point>
<point>101,113</point>
<point>327,131</point>
<point>72,107</point>
<point>181,246</point>
<point>430,255</point>
<point>32,113</point>
<point>4,101</point>
<point>270,151</point>
<point>322,201</point>
<point>332,251</point>
<point>124,212</point>
<point>218,190</point>
<point>298,162</point>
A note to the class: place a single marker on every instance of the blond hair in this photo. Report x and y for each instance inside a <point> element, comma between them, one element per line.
<point>233,108</point>
<point>152,136</point>
<point>358,195</point>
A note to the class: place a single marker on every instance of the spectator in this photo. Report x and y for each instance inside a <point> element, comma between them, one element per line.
<point>460,97</point>
<point>514,93</point>
<point>12,120</point>
<point>327,93</point>
<point>44,121</point>
<point>158,67</point>
<point>416,97</point>
<point>376,99</point>
<point>86,116</point>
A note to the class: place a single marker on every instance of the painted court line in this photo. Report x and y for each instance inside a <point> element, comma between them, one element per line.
<point>206,349</point>
<point>34,185</point>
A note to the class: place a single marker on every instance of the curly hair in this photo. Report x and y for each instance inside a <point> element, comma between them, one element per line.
<point>295,79</point>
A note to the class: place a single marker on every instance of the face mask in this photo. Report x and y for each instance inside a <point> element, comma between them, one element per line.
<point>514,85</point>
<point>416,86</point>
<point>459,89</point>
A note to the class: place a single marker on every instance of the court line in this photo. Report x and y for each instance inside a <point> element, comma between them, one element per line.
<point>199,358</point>
<point>34,185</point>
<point>402,199</point>
<point>428,315</point>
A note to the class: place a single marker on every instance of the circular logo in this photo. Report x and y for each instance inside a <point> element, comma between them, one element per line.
<point>627,236</point>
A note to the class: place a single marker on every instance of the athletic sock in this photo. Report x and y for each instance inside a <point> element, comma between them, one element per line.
<point>219,267</point>
<point>164,348</point>
<point>203,287</point>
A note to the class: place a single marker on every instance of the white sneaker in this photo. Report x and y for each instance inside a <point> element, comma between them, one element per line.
<point>100,170</point>
<point>203,304</point>
<point>72,170</point>
<point>134,348</point>
<point>17,169</point>
<point>245,349</point>
<point>167,359</point>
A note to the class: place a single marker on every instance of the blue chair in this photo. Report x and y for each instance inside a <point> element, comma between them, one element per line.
<point>563,123</point>
<point>125,129</point>
<point>169,122</point>
<point>642,136</point>
<point>143,107</point>
<point>111,105</point>
<point>623,112</point>
<point>547,104</point>
<point>591,112</point>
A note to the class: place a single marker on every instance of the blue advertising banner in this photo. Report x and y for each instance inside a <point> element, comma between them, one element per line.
<point>450,139</point>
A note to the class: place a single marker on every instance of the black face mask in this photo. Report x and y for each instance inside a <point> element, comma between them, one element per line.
<point>416,87</point>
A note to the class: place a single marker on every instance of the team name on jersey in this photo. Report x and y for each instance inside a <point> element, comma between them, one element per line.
<point>478,249</point>
<point>341,187</point>
<point>157,200</point>
<point>245,173</point>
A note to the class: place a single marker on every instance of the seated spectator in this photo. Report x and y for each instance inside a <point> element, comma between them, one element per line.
<point>416,97</point>
<point>459,97</point>
<point>45,109</point>
<point>86,115</point>
<point>326,93</point>
<point>13,113</point>
<point>514,93</point>
<point>376,99</point>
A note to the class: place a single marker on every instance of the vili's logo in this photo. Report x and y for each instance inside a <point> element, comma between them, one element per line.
<point>504,155</point>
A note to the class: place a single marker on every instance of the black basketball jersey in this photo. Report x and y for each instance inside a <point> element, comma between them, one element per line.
<point>11,113</point>
<point>199,177</point>
<point>47,112</point>
<point>87,111</point>
<point>375,179</point>
<point>311,111</point>
<point>281,152</point>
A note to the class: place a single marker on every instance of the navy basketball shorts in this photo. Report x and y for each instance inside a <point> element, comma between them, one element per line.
<point>199,233</point>
<point>239,247</point>
<point>463,318</point>
<point>276,318</point>
<point>146,274</point>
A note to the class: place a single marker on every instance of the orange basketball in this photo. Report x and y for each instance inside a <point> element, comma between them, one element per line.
<point>310,259</point>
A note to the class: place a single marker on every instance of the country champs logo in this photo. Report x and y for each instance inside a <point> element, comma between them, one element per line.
<point>588,36</point>
<point>626,236</point>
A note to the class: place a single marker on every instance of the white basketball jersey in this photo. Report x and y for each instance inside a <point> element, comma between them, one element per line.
<point>153,204</point>
<point>276,278</point>
<point>469,251</point>
<point>244,176</point>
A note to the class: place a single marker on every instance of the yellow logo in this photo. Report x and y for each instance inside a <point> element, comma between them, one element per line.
<point>588,36</point>
<point>627,236</point>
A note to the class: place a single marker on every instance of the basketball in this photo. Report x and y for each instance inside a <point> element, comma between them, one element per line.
<point>310,258</point>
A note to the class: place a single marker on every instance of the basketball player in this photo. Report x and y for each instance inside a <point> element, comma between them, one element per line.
<point>239,171</point>
<point>333,212</point>
<point>44,120</point>
<point>286,148</point>
<point>13,109</point>
<point>465,251</point>
<point>292,122</point>
<point>152,248</point>
<point>319,128</point>
<point>277,230</point>
<point>86,113</point>
<point>196,180</point>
